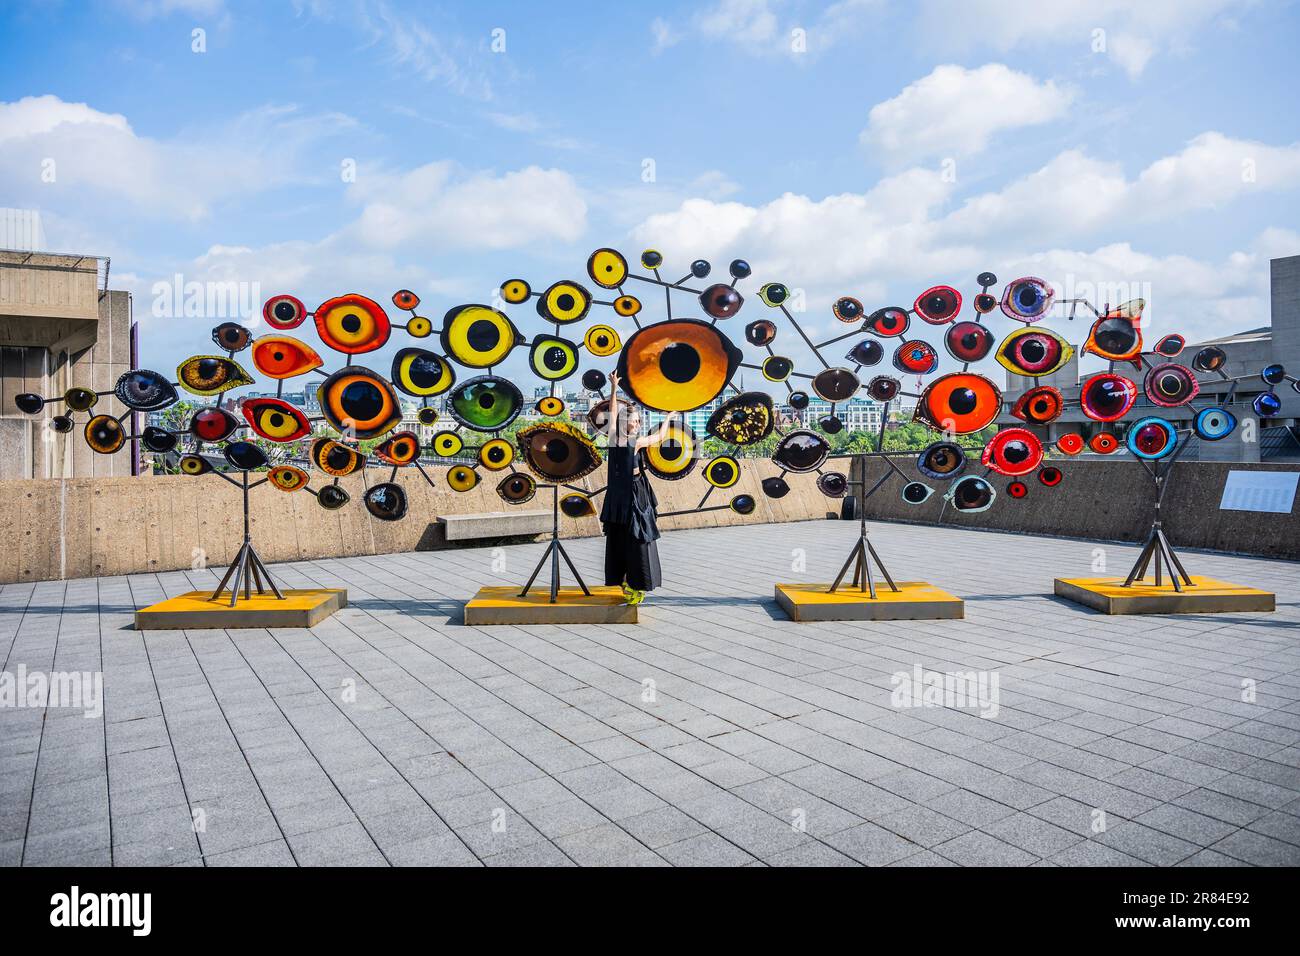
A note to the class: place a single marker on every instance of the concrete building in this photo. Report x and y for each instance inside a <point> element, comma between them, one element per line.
<point>60,327</point>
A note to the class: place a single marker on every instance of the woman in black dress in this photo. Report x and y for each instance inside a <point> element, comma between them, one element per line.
<point>628,512</point>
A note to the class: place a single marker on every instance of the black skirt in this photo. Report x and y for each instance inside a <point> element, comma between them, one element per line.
<point>630,560</point>
<point>629,517</point>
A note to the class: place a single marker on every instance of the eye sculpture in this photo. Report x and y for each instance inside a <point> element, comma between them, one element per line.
<point>486,404</point>
<point>627,306</point>
<point>78,399</point>
<point>721,301</point>
<point>576,505</point>
<point>352,324</point>
<point>144,391</point>
<point>1071,443</point>
<point>210,375</point>
<point>801,451</point>
<point>1117,335</point>
<point>427,415</point>
<point>888,322</point>
<point>598,416</point>
<point>916,358</point>
<point>835,384</point>
<point>104,434</point>
<point>447,444</point>
<point>1033,352</point>
<point>775,487</point>
<point>155,439</point>
<point>761,332</point>
<point>607,268</point>
<point>332,497</point>
<point>335,458</point>
<point>593,380</point>
<point>553,358</point>
<point>674,457</point>
<point>275,420</point>
<point>1214,424</point>
<point>601,340</point>
<point>194,465</point>
<point>678,365</point>
<point>1050,476</point>
<point>564,302</point>
<point>422,373</point>
<point>959,402</point>
<point>1104,443</point>
<point>461,478</point>
<point>283,356</point>
<point>968,341</point>
<point>244,456</point>
<point>1013,452</point>
<point>777,368</point>
<point>231,336</point>
<point>1039,405</point>
<point>1273,374</point>
<point>774,294</point>
<point>867,352</point>
<point>742,420</point>
<point>213,424</point>
<point>1107,397</point>
<point>386,501</point>
<point>1028,299</point>
<point>30,403</point>
<point>359,403</point>
<point>1266,405</point>
<point>915,492</point>
<point>557,451</point>
<point>401,448</point>
<point>1209,359</point>
<point>516,291</point>
<point>496,454</point>
<point>971,495</point>
<point>1171,346</point>
<point>798,400</point>
<point>63,424</point>
<point>550,406</point>
<point>1017,489</point>
<point>287,478</point>
<point>1151,438</point>
<point>284,312</point>
<point>833,484</point>
<point>722,472</point>
<point>1170,385</point>
<point>406,300</point>
<point>939,305</point>
<point>517,488</point>
<point>743,504</point>
<point>883,388</point>
<point>848,309</point>
<point>478,336</point>
<point>942,461</point>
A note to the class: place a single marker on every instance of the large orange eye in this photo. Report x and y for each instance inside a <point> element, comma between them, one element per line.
<point>284,312</point>
<point>1107,397</point>
<point>213,424</point>
<point>386,501</point>
<point>938,305</point>
<point>358,402</point>
<point>601,340</point>
<point>104,434</point>
<point>287,478</point>
<point>674,455</point>
<point>1013,452</point>
<point>1035,352</point>
<point>959,402</point>
<point>558,451</point>
<point>496,454</point>
<point>678,365</point>
<point>335,458</point>
<point>211,375</point>
<point>461,477</point>
<point>400,449</point>
<point>275,420</point>
<point>478,336</point>
<point>422,373</point>
<point>742,420</point>
<point>352,324</point>
<point>1117,335</point>
<point>517,488</point>
<point>607,268</point>
<point>1039,405</point>
<point>447,444</point>
<point>1027,299</point>
<point>283,356</point>
<point>564,302</point>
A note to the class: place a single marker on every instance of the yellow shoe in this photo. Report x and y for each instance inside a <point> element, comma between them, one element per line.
<point>635,597</point>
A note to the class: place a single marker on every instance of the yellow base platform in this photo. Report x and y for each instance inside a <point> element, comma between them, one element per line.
<point>1209,596</point>
<point>913,601</point>
<point>503,605</point>
<point>196,610</point>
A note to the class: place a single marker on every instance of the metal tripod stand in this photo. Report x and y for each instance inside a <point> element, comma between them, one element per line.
<point>1157,545</point>
<point>554,551</point>
<point>247,568</point>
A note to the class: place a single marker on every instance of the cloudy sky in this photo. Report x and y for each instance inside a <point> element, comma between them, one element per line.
<point>864,147</point>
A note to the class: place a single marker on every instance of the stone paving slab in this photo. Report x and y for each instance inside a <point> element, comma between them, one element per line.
<point>714,732</point>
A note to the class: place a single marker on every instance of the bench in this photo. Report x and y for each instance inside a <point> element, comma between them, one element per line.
<point>495,524</point>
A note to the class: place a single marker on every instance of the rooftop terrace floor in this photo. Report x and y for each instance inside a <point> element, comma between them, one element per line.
<point>713,732</point>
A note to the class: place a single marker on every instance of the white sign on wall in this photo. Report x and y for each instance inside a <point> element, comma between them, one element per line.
<point>1272,491</point>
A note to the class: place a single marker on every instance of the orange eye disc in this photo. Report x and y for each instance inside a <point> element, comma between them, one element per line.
<point>335,458</point>
<point>275,420</point>
<point>401,449</point>
<point>1103,443</point>
<point>283,356</point>
<point>406,299</point>
<point>550,406</point>
<point>352,324</point>
<point>104,434</point>
<point>678,365</point>
<point>287,478</point>
<point>1013,452</point>
<point>496,454</point>
<point>1071,443</point>
<point>1039,405</point>
<point>960,402</point>
<point>359,403</point>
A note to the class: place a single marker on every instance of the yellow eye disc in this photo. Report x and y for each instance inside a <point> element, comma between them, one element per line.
<point>447,444</point>
<point>674,456</point>
<point>352,324</point>
<point>422,373</point>
<point>553,358</point>
<point>601,340</point>
<point>194,465</point>
<point>478,336</point>
<point>627,305</point>
<point>287,478</point>
<point>550,406</point>
<point>462,478</point>
<point>577,505</point>
<point>515,291</point>
<point>564,302</point>
<point>722,472</point>
<point>419,327</point>
<point>210,375</point>
<point>607,268</point>
<point>496,454</point>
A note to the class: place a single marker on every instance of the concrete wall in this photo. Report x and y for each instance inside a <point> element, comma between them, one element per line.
<point>1112,500</point>
<point>98,526</point>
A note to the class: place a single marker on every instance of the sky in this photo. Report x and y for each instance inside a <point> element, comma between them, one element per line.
<point>865,147</point>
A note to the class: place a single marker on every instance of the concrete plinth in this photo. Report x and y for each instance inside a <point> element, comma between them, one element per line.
<point>913,601</point>
<point>504,605</point>
<point>1207,596</point>
<point>197,611</point>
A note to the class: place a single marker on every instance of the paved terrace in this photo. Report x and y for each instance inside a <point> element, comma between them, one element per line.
<point>755,723</point>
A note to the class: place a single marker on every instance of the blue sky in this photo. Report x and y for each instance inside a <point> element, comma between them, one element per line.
<point>864,147</point>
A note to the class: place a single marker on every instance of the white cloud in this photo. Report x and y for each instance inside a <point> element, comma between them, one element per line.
<point>748,23</point>
<point>515,122</point>
<point>664,35</point>
<point>954,111</point>
<point>764,27</point>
